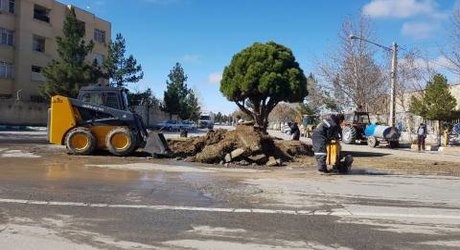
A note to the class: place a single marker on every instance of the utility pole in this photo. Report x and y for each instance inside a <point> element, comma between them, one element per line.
<point>394,65</point>
<point>394,75</point>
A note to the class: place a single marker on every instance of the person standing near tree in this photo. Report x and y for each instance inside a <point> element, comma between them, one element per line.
<point>421,136</point>
<point>295,131</point>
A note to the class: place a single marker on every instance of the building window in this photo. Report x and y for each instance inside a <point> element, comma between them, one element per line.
<point>38,44</point>
<point>41,13</point>
<point>6,37</point>
<point>37,73</point>
<point>98,59</point>
<point>36,69</point>
<point>7,6</point>
<point>11,6</point>
<point>6,70</point>
<point>37,99</point>
<point>99,36</point>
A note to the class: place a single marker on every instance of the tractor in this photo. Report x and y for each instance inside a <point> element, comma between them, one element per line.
<point>353,127</point>
<point>356,128</point>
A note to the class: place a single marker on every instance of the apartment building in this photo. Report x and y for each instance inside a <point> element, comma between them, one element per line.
<point>28,30</point>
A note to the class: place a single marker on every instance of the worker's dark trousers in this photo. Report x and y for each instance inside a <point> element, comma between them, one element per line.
<point>319,148</point>
<point>421,142</point>
<point>321,162</point>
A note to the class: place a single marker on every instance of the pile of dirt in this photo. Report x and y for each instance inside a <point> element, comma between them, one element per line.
<point>244,146</point>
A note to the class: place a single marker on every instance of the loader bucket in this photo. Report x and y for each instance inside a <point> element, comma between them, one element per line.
<point>157,145</point>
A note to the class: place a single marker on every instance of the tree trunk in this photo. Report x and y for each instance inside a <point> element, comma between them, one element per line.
<point>439,132</point>
<point>259,122</point>
<point>409,126</point>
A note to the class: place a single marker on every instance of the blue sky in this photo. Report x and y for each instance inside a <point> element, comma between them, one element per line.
<point>203,35</point>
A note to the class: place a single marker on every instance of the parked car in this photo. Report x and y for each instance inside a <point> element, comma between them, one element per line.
<point>188,125</point>
<point>286,129</point>
<point>168,125</point>
<point>176,125</point>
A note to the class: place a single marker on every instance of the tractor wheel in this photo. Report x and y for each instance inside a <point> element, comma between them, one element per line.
<point>80,141</point>
<point>121,141</point>
<point>372,142</point>
<point>349,135</point>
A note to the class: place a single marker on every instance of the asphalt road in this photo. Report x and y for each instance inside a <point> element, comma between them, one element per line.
<point>51,200</point>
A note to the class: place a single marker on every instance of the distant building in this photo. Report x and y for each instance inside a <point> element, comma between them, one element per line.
<point>28,30</point>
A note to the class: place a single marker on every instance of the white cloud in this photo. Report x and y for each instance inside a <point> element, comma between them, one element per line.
<point>442,63</point>
<point>418,30</point>
<point>191,59</point>
<point>215,78</point>
<point>402,9</point>
<point>438,63</point>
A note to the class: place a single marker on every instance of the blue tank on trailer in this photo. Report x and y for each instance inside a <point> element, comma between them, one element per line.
<point>382,132</point>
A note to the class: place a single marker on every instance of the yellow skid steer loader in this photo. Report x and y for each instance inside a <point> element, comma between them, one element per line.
<point>100,119</point>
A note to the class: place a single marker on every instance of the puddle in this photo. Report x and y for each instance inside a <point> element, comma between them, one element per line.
<point>17,154</point>
<point>237,238</point>
<point>153,167</point>
<point>174,168</point>
<point>35,237</point>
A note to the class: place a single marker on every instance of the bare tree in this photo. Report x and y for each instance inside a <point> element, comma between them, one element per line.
<point>452,54</point>
<point>414,71</point>
<point>351,71</point>
<point>282,112</point>
<point>411,74</point>
<point>318,98</point>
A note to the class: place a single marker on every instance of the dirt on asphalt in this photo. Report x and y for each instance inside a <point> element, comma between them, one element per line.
<point>245,143</point>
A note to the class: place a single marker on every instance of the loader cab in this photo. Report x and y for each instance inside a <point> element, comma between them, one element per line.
<point>112,97</point>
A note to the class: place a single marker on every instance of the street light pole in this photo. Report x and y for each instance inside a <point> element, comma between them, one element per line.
<point>394,70</point>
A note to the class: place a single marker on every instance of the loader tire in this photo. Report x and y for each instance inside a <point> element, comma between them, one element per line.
<point>80,141</point>
<point>349,135</point>
<point>121,141</point>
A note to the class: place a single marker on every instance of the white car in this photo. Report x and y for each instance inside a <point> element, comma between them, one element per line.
<point>286,129</point>
<point>187,125</point>
<point>169,125</point>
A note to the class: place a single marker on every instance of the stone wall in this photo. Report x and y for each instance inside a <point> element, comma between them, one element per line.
<point>152,115</point>
<point>20,113</point>
<point>14,112</point>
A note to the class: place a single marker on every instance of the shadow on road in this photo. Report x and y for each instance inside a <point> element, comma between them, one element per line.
<point>365,172</point>
<point>364,154</point>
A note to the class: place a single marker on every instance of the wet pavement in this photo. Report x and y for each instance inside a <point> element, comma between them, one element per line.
<point>51,200</point>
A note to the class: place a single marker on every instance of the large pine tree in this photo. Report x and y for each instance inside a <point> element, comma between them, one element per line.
<point>70,71</point>
<point>191,110</point>
<point>120,69</point>
<point>178,99</point>
<point>436,103</point>
<point>176,90</point>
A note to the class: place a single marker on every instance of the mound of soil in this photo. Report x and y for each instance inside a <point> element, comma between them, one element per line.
<point>244,145</point>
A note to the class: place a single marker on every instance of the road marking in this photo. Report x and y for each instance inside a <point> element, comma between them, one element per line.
<point>337,212</point>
